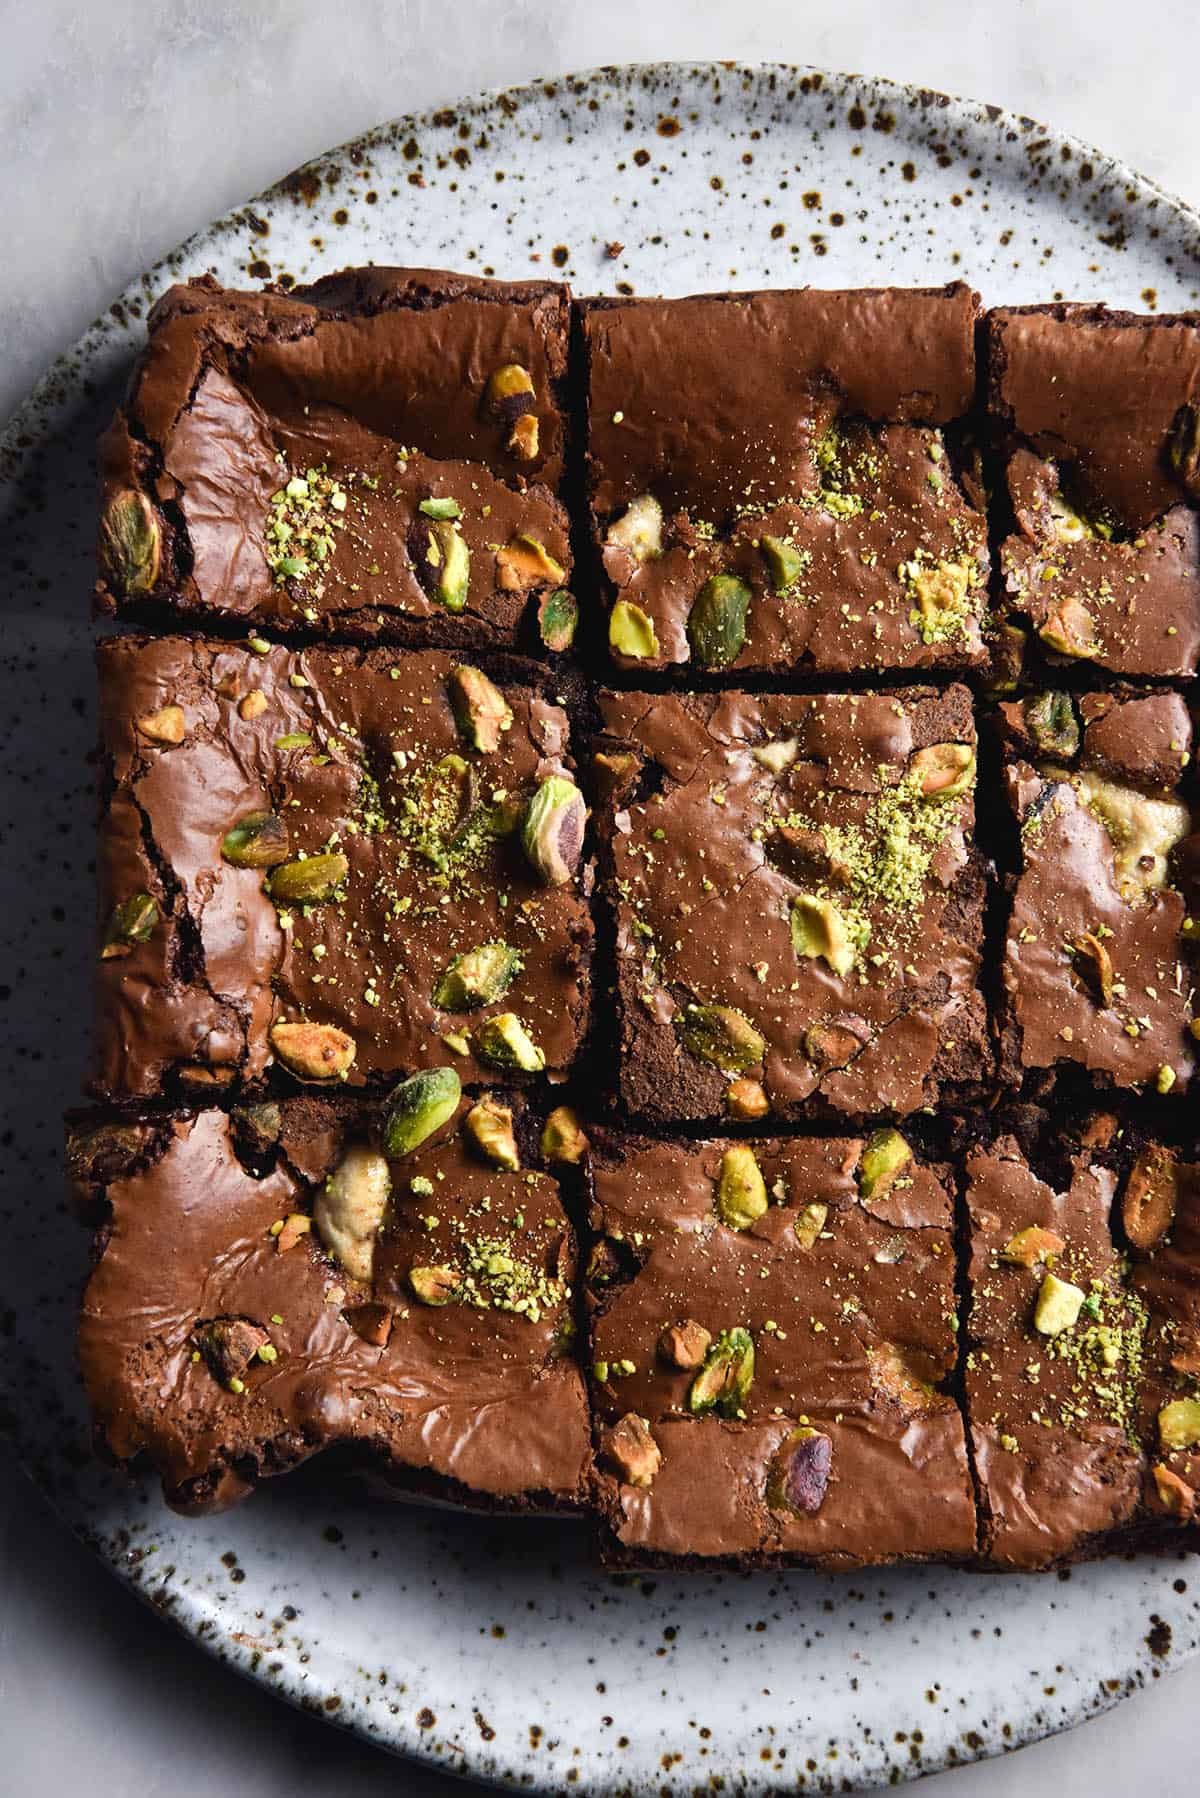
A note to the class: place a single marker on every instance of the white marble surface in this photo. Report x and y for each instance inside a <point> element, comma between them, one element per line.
<point>124,125</point>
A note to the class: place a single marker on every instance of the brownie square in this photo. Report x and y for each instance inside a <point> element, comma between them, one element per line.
<point>272,1285</point>
<point>1160,1222</point>
<point>782,481</point>
<point>798,902</point>
<point>772,1326</point>
<point>377,454</point>
<point>1096,971</point>
<point>1098,413</point>
<point>350,863</point>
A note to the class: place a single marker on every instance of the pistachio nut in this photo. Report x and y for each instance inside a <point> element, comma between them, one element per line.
<point>615,774</point>
<point>552,834</point>
<point>746,1100</point>
<point>489,1124</point>
<point>725,1378</point>
<point>785,563</point>
<point>1032,1246</point>
<point>819,931</point>
<point>130,546</point>
<point>525,562</point>
<point>480,709</point>
<point>716,625</point>
<point>1174,1494</point>
<point>441,560</point>
<point>1051,721</point>
<point>639,530</point>
<point>810,1223</point>
<point>419,1106</point>
<point>722,1036</point>
<point>943,770</point>
<point>309,880</point>
<point>1143,831</point>
<point>799,1473</point>
<point>558,618</point>
<point>741,1189</point>
<point>1184,448</point>
<point>503,1042</point>
<point>350,1207</point>
<point>1094,964</point>
<point>884,1158</point>
<point>167,725</point>
<point>132,921</point>
<point>777,757</point>
<point>834,1042</point>
<point>434,1285</point>
<point>259,840</point>
<point>229,1345</point>
<point>1058,1305</point>
<point>291,1230</point>
<point>477,977</point>
<point>443,507</point>
<point>562,1138</point>
<point>1150,1198</point>
<point>1179,1424</point>
<point>630,1448</point>
<point>509,393</point>
<point>314,1051</point>
<point>941,599</point>
<point>1070,629</point>
<point>630,632</point>
<point>684,1345</point>
<point>524,437</point>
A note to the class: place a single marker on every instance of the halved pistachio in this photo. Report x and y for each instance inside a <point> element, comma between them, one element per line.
<point>746,1100</point>
<point>630,632</point>
<point>314,1051</point>
<point>1150,1197</point>
<point>130,546</point>
<point>259,840</point>
<point>943,770</point>
<point>1185,447</point>
<point>741,1189</point>
<point>630,1447</point>
<point>132,921</point>
<point>1179,1424</point>
<point>562,1138</point>
<point>419,1106</point>
<point>716,625</point>
<point>309,880</point>
<point>1031,1246</point>
<point>883,1160</point>
<point>525,562</point>
<point>724,1380</point>
<point>684,1345</point>
<point>509,392</point>
<point>558,618</point>
<point>504,1042</point>
<point>443,507</point>
<point>810,1222</point>
<point>777,757</point>
<point>639,530</point>
<point>1173,1493</point>
<point>1070,629</point>
<point>552,834</point>
<point>489,1124</point>
<point>834,1042</point>
<point>349,1209</point>
<point>799,1475</point>
<point>1051,722</point>
<point>1058,1305</point>
<point>167,725</point>
<point>615,773</point>
<point>940,593</point>
<point>480,709</point>
<point>477,977</point>
<point>434,1285</point>
<point>441,560</point>
<point>785,563</point>
<point>1143,831</point>
<point>722,1036</point>
<point>819,931</point>
<point>1094,964</point>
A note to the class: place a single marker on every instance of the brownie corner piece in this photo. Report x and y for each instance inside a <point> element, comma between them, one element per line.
<point>786,481</point>
<point>316,1285</point>
<point>1099,951</point>
<point>772,1331</point>
<point>379,454</point>
<point>798,900</point>
<point>1099,414</point>
<point>346,864</point>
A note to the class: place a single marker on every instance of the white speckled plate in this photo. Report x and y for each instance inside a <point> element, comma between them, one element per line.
<point>494,1649</point>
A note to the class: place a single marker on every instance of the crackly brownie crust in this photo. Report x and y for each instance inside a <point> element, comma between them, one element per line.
<point>1098,411</point>
<point>1097,958</point>
<point>222,1348</point>
<point>815,419</point>
<point>353,754</point>
<point>847,1294</point>
<point>777,858</point>
<point>371,388</point>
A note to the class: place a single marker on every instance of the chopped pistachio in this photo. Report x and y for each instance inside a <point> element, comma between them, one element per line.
<point>314,1051</point>
<point>785,563</point>
<point>167,725</point>
<point>684,1345</point>
<point>810,1221</point>
<point>558,618</point>
<point>943,770</point>
<point>639,529</point>
<point>630,632</point>
<point>434,1285</point>
<point>777,757</point>
<point>350,1207</point>
<point>1143,831</point>
<point>509,392</point>
<point>942,595</point>
<point>1031,1246</point>
<point>1150,1197</point>
<point>480,709</point>
<point>1094,963</point>
<point>562,1138</point>
<point>799,1475</point>
<point>1058,1305</point>
<point>834,1042</point>
<point>883,1160</point>
<point>723,1036</point>
<point>309,880</point>
<point>716,625</point>
<point>477,977</point>
<point>819,930</point>
<point>1179,1424</point>
<point>419,1106</point>
<point>1070,629</point>
<point>132,921</point>
<point>504,1042</point>
<point>629,1446</point>
<point>440,508</point>
<point>130,546</point>
<point>741,1189</point>
<point>489,1124</point>
<point>1185,447</point>
<point>1051,721</point>
<point>552,833</point>
<point>441,560</point>
<point>525,562</point>
<point>746,1100</point>
<point>259,840</point>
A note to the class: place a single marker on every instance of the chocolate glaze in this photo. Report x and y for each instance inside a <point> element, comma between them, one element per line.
<point>812,416</point>
<point>476,1403</point>
<point>703,907</point>
<point>198,997</point>
<point>861,1333</point>
<point>237,391</point>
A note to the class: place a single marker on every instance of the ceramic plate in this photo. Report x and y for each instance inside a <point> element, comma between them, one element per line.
<point>496,1650</point>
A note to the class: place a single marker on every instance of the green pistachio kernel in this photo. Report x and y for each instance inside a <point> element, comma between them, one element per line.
<point>130,544</point>
<point>724,1381</point>
<point>1179,1424</point>
<point>639,529</point>
<point>716,625</point>
<point>480,709</point>
<point>820,931</point>
<point>1051,722</point>
<point>504,1042</point>
<point>132,921</point>
<point>552,834</point>
<point>1058,1305</point>
<point>441,560</point>
<point>883,1160</point>
<point>785,563</point>
<point>440,508</point>
<point>558,618</point>
<point>419,1106</point>
<point>309,881</point>
<point>434,1285</point>
<point>259,840</point>
<point>479,976</point>
<point>723,1036</point>
<point>741,1189</point>
<point>631,632</point>
<point>489,1124</point>
<point>799,1474</point>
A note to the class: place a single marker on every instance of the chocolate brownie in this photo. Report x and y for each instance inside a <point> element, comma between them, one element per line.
<point>1096,968</point>
<point>351,863</point>
<point>377,454</point>
<point>781,481</point>
<point>798,902</point>
<point>773,1324</point>
<point>1099,413</point>
<point>1160,1222</point>
<point>304,1276</point>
